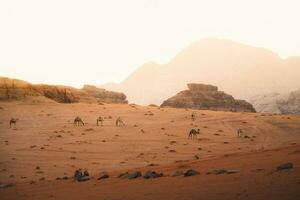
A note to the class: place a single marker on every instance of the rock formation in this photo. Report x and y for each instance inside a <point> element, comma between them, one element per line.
<point>277,103</point>
<point>105,96</point>
<point>207,97</point>
<point>14,89</point>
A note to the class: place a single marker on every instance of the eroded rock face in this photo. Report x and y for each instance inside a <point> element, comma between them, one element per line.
<point>105,96</point>
<point>13,89</point>
<point>277,103</point>
<point>201,96</point>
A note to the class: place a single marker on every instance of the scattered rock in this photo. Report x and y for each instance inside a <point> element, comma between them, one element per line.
<point>2,186</point>
<point>285,166</point>
<point>152,174</point>
<point>63,178</point>
<point>103,175</point>
<point>134,175</point>
<point>190,172</point>
<point>222,171</point>
<point>232,171</point>
<point>130,175</point>
<point>258,169</point>
<point>152,165</point>
<point>32,182</point>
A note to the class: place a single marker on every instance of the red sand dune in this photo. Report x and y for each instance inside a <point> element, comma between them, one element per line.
<point>45,145</point>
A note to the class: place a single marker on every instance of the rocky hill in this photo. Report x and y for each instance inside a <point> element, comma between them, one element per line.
<point>207,97</point>
<point>14,89</point>
<point>277,103</point>
<point>241,70</point>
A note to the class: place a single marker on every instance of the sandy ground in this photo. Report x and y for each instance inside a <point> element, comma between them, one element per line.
<point>45,145</point>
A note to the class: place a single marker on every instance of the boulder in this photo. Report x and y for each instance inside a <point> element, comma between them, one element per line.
<point>190,172</point>
<point>134,175</point>
<point>285,166</point>
<point>152,174</point>
<point>222,171</point>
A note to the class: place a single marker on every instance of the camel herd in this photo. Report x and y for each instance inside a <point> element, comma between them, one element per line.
<point>79,122</point>
<point>119,122</point>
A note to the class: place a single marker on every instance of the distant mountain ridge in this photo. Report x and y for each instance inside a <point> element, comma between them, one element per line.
<point>241,70</point>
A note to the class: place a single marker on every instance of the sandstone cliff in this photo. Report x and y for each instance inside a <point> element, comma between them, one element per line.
<point>14,89</point>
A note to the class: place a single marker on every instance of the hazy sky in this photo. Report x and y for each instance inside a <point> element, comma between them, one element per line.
<point>73,42</point>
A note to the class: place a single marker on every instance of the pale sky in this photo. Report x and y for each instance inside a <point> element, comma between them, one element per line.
<point>73,42</point>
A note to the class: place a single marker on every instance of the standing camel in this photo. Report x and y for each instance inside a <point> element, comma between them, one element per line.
<point>13,121</point>
<point>193,133</point>
<point>78,121</point>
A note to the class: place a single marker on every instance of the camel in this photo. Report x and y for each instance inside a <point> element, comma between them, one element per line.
<point>78,121</point>
<point>119,122</point>
<point>193,116</point>
<point>13,121</point>
<point>240,132</point>
<point>100,119</point>
<point>193,133</point>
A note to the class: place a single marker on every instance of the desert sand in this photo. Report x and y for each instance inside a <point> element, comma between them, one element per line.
<point>46,146</point>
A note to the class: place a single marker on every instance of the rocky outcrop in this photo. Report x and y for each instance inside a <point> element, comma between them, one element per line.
<point>277,103</point>
<point>105,96</point>
<point>14,89</point>
<point>201,96</point>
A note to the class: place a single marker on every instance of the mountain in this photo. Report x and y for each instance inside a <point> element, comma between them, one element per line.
<point>278,103</point>
<point>241,70</point>
<point>14,89</point>
<point>207,97</point>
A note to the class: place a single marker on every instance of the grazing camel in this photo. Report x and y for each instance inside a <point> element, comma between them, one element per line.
<point>193,116</point>
<point>119,122</point>
<point>193,133</point>
<point>240,132</point>
<point>100,119</point>
<point>78,121</point>
<point>13,121</point>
